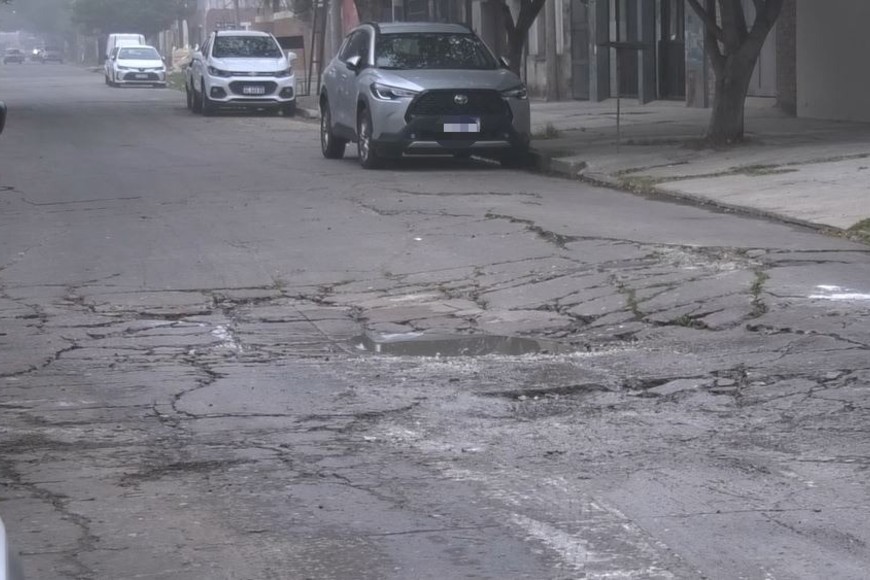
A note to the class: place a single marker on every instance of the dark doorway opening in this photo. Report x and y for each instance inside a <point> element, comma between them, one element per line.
<point>579,49</point>
<point>672,50</point>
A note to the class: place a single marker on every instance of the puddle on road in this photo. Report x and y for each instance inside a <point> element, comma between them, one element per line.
<point>450,345</point>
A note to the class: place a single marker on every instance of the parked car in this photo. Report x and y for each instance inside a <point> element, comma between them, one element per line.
<point>15,55</point>
<point>117,40</point>
<point>51,54</point>
<point>421,88</point>
<point>240,68</point>
<point>10,568</point>
<point>135,65</point>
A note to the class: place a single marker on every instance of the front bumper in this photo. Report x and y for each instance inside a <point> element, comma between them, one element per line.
<point>135,77</point>
<point>397,132</point>
<point>252,91</point>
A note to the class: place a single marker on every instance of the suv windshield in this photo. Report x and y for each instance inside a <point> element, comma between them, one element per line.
<point>138,53</point>
<point>432,51</point>
<point>245,47</point>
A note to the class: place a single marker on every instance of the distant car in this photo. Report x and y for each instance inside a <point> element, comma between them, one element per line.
<point>135,65</point>
<point>51,54</point>
<point>241,68</point>
<point>15,55</point>
<point>117,40</point>
<point>10,568</point>
<point>422,88</point>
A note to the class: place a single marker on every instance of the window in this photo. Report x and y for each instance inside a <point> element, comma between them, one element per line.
<point>433,51</point>
<point>138,53</point>
<point>357,45</point>
<point>245,47</point>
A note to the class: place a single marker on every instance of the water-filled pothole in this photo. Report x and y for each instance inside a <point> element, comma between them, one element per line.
<point>450,345</point>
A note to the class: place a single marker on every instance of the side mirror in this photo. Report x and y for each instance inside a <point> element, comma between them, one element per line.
<point>2,115</point>
<point>291,56</point>
<point>504,62</point>
<point>354,63</point>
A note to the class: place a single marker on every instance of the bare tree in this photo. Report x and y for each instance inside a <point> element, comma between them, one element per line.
<point>518,29</point>
<point>733,47</point>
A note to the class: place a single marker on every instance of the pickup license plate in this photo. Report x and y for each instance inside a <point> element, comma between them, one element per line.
<point>141,76</point>
<point>254,90</point>
<point>462,125</point>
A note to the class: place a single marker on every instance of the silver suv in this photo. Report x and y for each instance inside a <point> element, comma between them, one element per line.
<point>240,68</point>
<point>409,88</point>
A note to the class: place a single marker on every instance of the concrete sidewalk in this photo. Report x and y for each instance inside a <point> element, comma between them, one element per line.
<point>804,171</point>
<point>800,170</point>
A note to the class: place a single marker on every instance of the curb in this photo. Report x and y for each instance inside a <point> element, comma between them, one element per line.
<point>307,114</point>
<point>576,170</point>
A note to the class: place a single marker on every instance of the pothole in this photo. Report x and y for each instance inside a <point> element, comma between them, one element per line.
<point>450,345</point>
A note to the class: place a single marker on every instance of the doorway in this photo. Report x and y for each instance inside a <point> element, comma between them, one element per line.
<point>579,49</point>
<point>626,18</point>
<point>672,49</point>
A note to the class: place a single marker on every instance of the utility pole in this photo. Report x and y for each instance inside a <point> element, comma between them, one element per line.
<point>238,13</point>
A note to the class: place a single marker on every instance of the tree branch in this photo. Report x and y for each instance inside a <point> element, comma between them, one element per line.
<point>529,11</point>
<point>509,24</point>
<point>708,19</point>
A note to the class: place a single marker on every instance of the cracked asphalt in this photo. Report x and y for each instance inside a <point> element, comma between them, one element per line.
<point>186,392</point>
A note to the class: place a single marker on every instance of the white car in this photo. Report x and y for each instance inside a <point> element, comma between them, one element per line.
<point>10,568</point>
<point>135,65</point>
<point>241,68</point>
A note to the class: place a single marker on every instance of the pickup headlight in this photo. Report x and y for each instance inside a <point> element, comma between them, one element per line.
<point>388,93</point>
<point>520,93</point>
<point>287,72</point>
<point>216,72</point>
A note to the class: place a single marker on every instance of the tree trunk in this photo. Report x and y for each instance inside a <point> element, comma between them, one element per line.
<point>729,102</point>
<point>516,45</point>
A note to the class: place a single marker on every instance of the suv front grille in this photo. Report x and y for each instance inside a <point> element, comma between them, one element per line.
<point>443,103</point>
<point>238,88</point>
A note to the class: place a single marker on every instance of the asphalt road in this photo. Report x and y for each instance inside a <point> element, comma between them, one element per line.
<point>186,393</point>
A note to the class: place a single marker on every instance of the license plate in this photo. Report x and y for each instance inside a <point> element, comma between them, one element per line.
<point>141,76</point>
<point>254,90</point>
<point>462,125</point>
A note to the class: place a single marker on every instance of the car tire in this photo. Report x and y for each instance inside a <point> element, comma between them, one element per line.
<point>332,147</point>
<point>196,105</point>
<point>289,109</point>
<point>207,107</point>
<point>368,156</point>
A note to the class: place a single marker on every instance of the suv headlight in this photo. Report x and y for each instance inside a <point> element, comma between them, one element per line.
<point>388,93</point>
<point>284,73</point>
<point>216,72</point>
<point>519,92</point>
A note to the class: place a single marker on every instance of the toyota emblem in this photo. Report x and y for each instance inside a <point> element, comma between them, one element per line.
<point>460,99</point>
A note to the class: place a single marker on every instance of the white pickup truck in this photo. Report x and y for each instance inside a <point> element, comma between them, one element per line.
<point>240,69</point>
